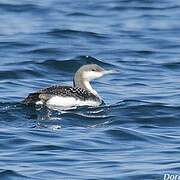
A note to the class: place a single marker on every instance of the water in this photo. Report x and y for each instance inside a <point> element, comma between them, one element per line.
<point>135,135</point>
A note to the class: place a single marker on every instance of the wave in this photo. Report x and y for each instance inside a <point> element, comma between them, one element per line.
<point>70,33</point>
<point>36,68</point>
<point>127,134</point>
<point>19,73</point>
<point>171,65</point>
<point>19,8</point>
<point>140,112</point>
<point>80,14</point>
<point>73,64</point>
<point>8,174</point>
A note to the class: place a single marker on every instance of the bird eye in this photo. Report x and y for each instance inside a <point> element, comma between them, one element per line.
<point>93,69</point>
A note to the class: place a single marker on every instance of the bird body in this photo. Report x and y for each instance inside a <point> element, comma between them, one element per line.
<point>63,96</point>
<point>80,94</point>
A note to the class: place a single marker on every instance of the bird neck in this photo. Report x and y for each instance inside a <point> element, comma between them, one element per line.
<point>89,88</point>
<point>84,84</point>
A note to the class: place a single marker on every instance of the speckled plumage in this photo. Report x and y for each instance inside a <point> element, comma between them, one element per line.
<point>63,91</point>
<point>80,94</point>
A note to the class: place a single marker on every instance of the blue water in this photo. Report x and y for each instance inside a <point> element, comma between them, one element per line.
<point>135,135</point>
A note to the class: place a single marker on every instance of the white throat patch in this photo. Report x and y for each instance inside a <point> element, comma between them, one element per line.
<point>89,87</point>
<point>90,75</point>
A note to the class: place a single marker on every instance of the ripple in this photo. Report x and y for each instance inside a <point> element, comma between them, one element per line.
<point>74,64</point>
<point>126,134</point>
<point>70,33</point>
<point>171,65</point>
<point>81,14</point>
<point>66,65</point>
<point>8,174</point>
<point>18,74</point>
<point>19,8</point>
<point>15,45</point>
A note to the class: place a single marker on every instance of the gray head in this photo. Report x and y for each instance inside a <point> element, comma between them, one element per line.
<point>88,73</point>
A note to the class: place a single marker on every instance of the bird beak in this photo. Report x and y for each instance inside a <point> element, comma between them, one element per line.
<point>110,72</point>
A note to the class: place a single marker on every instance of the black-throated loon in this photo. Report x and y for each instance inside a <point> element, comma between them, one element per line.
<point>80,94</point>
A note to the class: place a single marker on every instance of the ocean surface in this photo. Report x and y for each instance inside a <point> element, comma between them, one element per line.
<point>135,135</point>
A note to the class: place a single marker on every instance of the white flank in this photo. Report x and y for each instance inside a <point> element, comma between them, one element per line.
<point>69,102</point>
<point>39,103</point>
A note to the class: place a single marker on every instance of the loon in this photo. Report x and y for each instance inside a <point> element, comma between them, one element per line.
<point>80,94</point>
